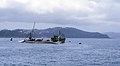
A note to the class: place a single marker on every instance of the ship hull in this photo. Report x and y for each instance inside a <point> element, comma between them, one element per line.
<point>38,42</point>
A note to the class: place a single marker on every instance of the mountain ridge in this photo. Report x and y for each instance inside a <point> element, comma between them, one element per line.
<point>68,31</point>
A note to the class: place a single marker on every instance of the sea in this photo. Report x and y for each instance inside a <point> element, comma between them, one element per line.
<point>91,52</point>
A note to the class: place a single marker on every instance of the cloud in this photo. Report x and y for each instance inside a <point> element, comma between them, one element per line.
<point>61,12</point>
<point>44,6</point>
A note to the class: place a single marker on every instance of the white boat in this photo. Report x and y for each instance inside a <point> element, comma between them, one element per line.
<point>54,40</point>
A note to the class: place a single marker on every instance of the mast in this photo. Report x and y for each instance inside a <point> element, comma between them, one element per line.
<point>31,33</point>
<point>33,28</point>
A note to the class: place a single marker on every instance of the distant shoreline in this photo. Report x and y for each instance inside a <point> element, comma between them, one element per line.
<point>68,31</point>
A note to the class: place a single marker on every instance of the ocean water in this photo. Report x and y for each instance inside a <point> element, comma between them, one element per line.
<point>92,52</point>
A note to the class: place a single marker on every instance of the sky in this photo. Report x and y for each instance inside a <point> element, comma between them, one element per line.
<point>88,15</point>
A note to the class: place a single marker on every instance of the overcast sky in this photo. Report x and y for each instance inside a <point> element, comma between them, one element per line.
<point>89,15</point>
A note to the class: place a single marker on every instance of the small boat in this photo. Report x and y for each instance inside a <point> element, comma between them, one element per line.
<point>56,39</point>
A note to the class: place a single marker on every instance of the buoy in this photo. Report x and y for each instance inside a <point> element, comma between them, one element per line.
<point>80,43</point>
<point>11,39</point>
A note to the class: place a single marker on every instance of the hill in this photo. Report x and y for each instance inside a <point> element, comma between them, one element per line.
<point>68,31</point>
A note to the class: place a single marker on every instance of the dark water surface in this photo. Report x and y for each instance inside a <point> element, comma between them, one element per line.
<point>92,52</point>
